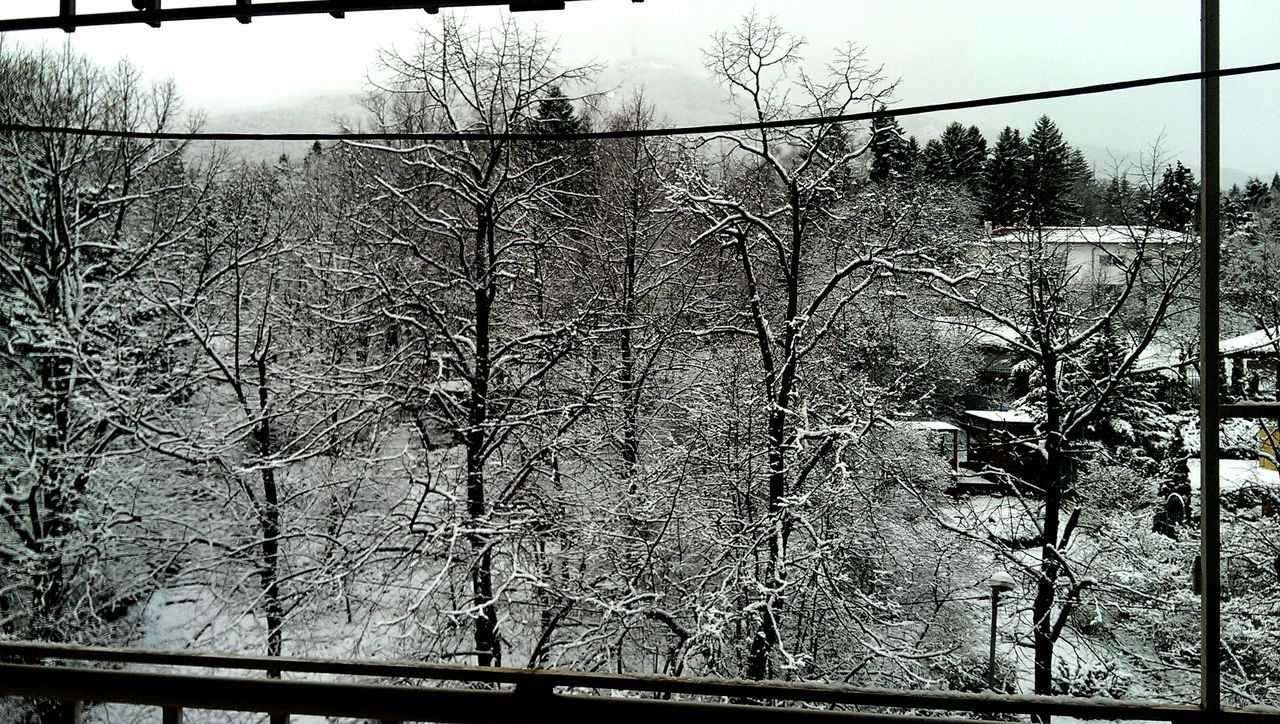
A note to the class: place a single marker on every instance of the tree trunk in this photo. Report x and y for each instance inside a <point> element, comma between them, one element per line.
<point>269,519</point>
<point>488,652</point>
<point>1055,484</point>
<point>50,524</point>
<point>1042,607</point>
<point>628,384</point>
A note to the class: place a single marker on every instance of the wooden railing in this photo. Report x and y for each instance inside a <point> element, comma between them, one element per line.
<point>82,676</point>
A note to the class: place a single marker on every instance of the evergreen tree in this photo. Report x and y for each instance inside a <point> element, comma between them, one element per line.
<point>1050,177</point>
<point>556,114</point>
<point>1120,201</point>
<point>1173,492</point>
<point>891,153</point>
<point>915,156</point>
<point>1086,192</point>
<point>957,155</point>
<point>974,158</point>
<point>1003,201</point>
<point>1129,417</point>
<point>1257,195</point>
<point>1235,212</point>
<point>1177,199</point>
<point>933,159</point>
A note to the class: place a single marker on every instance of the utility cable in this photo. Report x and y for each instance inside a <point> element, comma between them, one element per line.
<point>703,130</point>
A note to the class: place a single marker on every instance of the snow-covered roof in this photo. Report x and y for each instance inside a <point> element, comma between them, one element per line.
<point>1096,235</point>
<point>934,425</point>
<point>1236,474</point>
<point>1005,416</point>
<point>1263,340</point>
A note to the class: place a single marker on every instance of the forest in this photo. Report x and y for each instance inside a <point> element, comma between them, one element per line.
<point>643,404</point>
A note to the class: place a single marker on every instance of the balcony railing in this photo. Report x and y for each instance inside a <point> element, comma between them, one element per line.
<point>409,691</point>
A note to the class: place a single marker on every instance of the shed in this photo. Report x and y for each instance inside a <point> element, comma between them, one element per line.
<point>1002,439</point>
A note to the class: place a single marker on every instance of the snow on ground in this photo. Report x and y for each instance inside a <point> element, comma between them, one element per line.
<point>1236,475</point>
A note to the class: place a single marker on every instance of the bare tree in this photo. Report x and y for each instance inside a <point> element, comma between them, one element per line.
<point>477,359</point>
<point>1035,290</point>
<point>84,360</point>
<point>777,208</point>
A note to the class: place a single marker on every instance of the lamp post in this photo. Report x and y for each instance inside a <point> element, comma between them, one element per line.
<point>999,582</point>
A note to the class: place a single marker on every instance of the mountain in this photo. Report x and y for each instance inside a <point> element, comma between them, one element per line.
<point>679,97</point>
<point>316,112</point>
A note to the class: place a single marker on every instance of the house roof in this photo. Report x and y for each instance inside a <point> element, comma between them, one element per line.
<point>1263,340</point>
<point>934,425</point>
<point>1016,417</point>
<point>1095,235</point>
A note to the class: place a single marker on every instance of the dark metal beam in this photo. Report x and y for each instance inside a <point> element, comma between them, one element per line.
<point>1253,410</point>
<point>736,690</point>
<point>67,13</point>
<point>151,12</point>
<point>1210,410</point>
<point>520,6</point>
<point>397,703</point>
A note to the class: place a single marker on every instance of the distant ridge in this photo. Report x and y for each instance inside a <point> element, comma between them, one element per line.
<point>678,96</point>
<point>314,112</point>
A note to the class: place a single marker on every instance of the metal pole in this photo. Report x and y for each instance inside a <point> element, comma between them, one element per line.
<point>991,663</point>
<point>1210,420</point>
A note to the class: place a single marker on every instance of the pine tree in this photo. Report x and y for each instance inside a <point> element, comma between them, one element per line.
<point>556,114</point>
<point>1086,192</point>
<point>933,160</point>
<point>915,157</point>
<point>1129,415</point>
<point>1003,202</point>
<point>957,155</point>
<point>1050,176</point>
<point>1177,199</point>
<point>1235,212</point>
<point>891,155</point>
<point>1120,202</point>
<point>975,145</point>
<point>1257,195</point>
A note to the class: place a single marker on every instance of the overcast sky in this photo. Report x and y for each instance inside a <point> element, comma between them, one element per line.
<point>940,49</point>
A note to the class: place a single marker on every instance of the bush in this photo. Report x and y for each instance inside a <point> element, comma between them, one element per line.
<point>968,673</point>
<point>1114,487</point>
<point>1105,678</point>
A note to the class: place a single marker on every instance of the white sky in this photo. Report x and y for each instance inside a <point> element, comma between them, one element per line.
<point>941,50</point>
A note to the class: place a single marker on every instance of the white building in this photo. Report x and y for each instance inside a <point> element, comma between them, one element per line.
<point>1093,254</point>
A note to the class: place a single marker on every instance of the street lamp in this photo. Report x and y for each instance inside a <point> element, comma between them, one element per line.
<point>999,582</point>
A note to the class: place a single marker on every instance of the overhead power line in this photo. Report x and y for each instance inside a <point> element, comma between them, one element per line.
<point>702,130</point>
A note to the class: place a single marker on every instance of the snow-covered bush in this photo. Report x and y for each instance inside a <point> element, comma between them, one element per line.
<point>1114,487</point>
<point>1101,679</point>
<point>968,672</point>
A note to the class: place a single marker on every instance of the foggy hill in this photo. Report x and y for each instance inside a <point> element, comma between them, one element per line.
<point>682,97</point>
<point>319,112</point>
